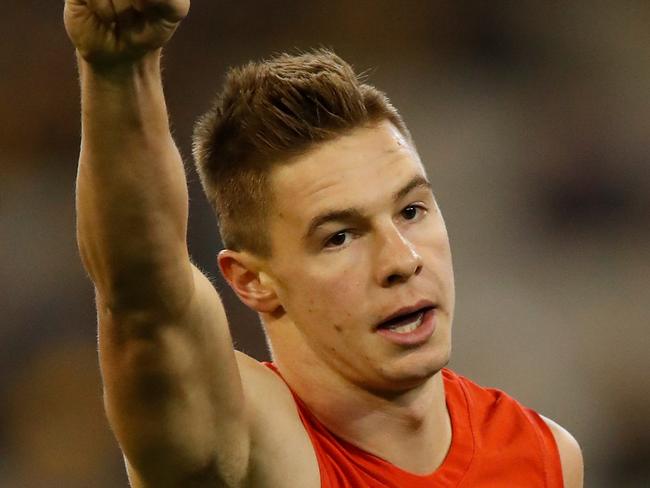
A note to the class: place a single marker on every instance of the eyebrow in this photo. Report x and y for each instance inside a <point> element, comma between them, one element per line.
<point>417,181</point>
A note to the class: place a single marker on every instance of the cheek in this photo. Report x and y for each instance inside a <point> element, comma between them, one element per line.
<point>337,291</point>
<point>432,239</point>
<point>343,279</point>
<point>329,293</point>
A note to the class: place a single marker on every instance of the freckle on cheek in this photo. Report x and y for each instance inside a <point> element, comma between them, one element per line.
<point>338,328</point>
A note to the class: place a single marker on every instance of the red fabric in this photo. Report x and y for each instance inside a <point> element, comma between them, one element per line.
<point>496,443</point>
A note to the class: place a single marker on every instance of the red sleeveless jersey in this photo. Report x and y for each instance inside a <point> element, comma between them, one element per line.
<point>496,443</point>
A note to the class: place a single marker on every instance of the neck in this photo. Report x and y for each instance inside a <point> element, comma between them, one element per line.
<point>411,428</point>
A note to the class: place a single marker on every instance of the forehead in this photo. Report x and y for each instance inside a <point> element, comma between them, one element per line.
<point>361,169</point>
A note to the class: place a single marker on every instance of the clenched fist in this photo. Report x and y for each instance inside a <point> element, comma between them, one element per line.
<point>109,32</point>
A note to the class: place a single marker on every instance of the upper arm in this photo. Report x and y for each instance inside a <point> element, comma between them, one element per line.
<point>173,390</point>
<point>570,455</point>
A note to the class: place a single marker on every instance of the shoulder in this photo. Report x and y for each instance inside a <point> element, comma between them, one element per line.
<point>491,406</point>
<point>274,420</point>
<point>570,454</point>
<point>478,396</point>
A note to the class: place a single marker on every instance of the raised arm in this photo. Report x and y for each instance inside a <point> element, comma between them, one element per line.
<point>172,387</point>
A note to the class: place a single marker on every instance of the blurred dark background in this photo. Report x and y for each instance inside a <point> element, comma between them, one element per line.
<point>533,121</point>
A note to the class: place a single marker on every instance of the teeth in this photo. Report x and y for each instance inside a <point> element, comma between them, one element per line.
<point>409,327</point>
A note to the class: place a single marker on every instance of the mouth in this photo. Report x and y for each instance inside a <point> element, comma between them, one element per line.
<point>406,320</point>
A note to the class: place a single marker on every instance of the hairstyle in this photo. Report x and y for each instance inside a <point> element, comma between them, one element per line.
<point>269,113</point>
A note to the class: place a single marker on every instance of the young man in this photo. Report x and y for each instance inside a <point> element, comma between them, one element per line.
<point>333,236</point>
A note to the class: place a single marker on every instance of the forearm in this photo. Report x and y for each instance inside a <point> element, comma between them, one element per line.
<point>132,198</point>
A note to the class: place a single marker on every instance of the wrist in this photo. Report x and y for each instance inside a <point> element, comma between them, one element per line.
<point>130,92</point>
<point>118,72</point>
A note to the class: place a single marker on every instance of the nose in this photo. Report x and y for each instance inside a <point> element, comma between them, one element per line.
<point>397,258</point>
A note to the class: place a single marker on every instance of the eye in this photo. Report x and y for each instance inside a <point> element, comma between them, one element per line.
<point>339,239</point>
<point>412,212</point>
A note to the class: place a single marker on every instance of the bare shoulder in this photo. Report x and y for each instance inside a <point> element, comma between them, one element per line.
<point>570,455</point>
<point>280,443</point>
<point>263,386</point>
<point>268,398</point>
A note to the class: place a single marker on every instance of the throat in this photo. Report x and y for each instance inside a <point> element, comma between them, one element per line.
<point>412,432</point>
<point>416,444</point>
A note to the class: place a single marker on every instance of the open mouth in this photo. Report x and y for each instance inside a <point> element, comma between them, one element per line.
<point>406,322</point>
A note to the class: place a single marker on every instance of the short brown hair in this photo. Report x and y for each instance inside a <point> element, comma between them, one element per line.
<point>267,113</point>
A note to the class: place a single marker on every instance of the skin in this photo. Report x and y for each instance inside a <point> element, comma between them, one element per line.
<point>394,254</point>
<point>186,408</point>
<point>328,290</point>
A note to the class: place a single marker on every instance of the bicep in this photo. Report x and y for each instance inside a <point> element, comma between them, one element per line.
<point>173,391</point>
<point>570,455</point>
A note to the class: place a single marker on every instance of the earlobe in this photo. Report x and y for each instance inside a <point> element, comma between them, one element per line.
<point>252,286</point>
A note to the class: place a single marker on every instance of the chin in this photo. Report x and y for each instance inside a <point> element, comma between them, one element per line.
<point>416,368</point>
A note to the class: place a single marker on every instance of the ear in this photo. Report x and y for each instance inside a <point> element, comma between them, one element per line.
<point>252,286</point>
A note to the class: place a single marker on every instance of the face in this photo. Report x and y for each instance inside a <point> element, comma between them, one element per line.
<point>358,239</point>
